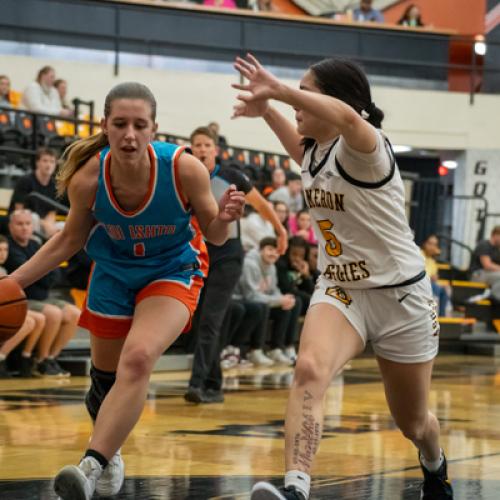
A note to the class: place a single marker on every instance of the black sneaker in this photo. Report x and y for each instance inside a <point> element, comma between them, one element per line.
<point>436,485</point>
<point>194,395</point>
<point>61,371</point>
<point>266,491</point>
<point>46,369</point>
<point>212,396</point>
<point>26,368</point>
<point>3,370</point>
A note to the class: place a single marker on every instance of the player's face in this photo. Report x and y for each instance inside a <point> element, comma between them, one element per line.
<point>46,165</point>
<point>21,226</point>
<point>309,125</point>
<point>4,252</point>
<point>205,150</point>
<point>269,254</point>
<point>129,128</point>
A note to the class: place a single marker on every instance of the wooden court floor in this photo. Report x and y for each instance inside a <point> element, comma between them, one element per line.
<point>182,451</point>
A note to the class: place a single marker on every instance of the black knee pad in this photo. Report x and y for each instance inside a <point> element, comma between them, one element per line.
<point>101,383</point>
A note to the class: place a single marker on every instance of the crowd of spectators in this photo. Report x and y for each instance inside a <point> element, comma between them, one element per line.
<point>45,94</point>
<point>51,321</point>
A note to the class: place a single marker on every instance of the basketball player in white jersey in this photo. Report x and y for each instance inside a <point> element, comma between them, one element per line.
<point>373,284</point>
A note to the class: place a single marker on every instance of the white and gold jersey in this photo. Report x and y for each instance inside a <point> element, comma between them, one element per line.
<point>363,236</point>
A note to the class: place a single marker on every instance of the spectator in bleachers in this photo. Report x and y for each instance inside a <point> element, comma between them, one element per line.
<point>300,224</point>
<point>259,283</point>
<point>282,212</point>
<point>5,91</point>
<point>261,5</point>
<point>41,95</point>
<point>246,336</point>
<point>294,275</point>
<point>220,139</point>
<point>253,228</point>
<point>40,181</point>
<point>291,193</point>
<point>430,250</point>
<point>29,332</point>
<point>366,12</point>
<point>485,263</point>
<point>62,89</point>
<point>411,17</point>
<point>278,180</point>
<point>224,4</point>
<point>60,317</point>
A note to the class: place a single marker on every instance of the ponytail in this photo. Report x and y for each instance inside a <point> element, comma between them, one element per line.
<point>75,156</point>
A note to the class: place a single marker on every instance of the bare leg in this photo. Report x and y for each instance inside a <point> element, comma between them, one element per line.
<point>53,317</point>
<point>35,334</point>
<point>21,334</point>
<point>70,315</point>
<point>327,342</point>
<point>158,321</point>
<point>411,413</point>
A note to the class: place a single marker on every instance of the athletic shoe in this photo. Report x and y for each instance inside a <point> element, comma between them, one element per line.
<point>46,369</point>
<point>194,395</point>
<point>27,367</point>
<point>3,370</point>
<point>436,485</point>
<point>245,363</point>
<point>111,480</point>
<point>258,358</point>
<point>279,357</point>
<point>212,396</point>
<point>266,491</point>
<point>78,483</point>
<point>291,353</point>
<point>60,370</point>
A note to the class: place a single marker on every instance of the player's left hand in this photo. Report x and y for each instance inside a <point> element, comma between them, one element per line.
<point>232,204</point>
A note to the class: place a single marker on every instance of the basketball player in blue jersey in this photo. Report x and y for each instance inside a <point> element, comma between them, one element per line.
<point>373,284</point>
<point>132,202</point>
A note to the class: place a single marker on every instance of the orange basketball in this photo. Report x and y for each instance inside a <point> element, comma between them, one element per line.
<point>13,308</point>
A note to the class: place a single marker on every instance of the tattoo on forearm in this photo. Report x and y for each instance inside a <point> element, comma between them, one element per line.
<point>306,442</point>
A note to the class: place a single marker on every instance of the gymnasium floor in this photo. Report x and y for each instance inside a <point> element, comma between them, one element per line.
<point>181,451</point>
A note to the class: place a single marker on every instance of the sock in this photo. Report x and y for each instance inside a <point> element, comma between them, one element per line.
<point>98,456</point>
<point>432,466</point>
<point>3,357</point>
<point>301,481</point>
<point>26,355</point>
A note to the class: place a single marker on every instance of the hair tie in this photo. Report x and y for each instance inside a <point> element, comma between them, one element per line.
<point>365,113</point>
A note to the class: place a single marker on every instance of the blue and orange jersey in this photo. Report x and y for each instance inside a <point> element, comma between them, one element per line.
<point>158,237</point>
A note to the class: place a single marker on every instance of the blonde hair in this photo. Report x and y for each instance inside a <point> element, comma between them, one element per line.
<point>78,153</point>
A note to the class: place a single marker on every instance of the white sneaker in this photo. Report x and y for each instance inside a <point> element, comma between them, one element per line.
<point>78,482</point>
<point>279,357</point>
<point>291,353</point>
<point>258,358</point>
<point>111,480</point>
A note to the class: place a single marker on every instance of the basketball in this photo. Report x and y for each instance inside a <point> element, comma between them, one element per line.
<point>13,308</point>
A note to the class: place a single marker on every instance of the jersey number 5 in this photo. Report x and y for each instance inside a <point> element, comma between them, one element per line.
<point>333,247</point>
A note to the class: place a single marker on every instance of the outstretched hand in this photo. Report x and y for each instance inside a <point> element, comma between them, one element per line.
<point>231,205</point>
<point>262,85</point>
